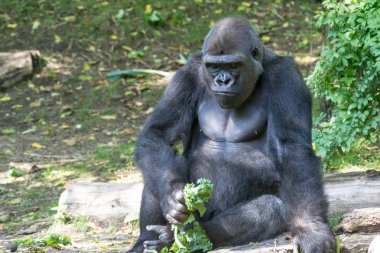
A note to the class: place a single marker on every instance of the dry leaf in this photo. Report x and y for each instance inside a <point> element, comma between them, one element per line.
<point>36,103</point>
<point>6,98</point>
<point>71,141</point>
<point>37,145</point>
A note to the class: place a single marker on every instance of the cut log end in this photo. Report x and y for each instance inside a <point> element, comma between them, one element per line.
<point>19,66</point>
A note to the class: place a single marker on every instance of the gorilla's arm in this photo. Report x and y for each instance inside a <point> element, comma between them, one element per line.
<point>164,171</point>
<point>289,128</point>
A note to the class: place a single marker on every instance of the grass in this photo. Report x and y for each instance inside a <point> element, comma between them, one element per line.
<point>116,157</point>
<point>362,156</point>
<point>36,194</point>
<point>123,25</point>
<point>47,240</point>
<point>334,219</point>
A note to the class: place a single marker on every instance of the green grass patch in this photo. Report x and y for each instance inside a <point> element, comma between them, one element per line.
<point>362,155</point>
<point>35,198</point>
<point>334,219</point>
<point>8,131</point>
<point>116,157</point>
<point>48,240</point>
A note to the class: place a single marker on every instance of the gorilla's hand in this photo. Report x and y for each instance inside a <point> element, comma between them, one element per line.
<point>318,240</point>
<point>174,207</point>
<point>165,238</point>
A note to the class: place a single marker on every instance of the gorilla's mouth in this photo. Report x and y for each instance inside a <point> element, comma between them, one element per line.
<point>227,93</point>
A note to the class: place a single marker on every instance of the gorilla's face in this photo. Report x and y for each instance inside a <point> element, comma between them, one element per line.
<point>231,63</point>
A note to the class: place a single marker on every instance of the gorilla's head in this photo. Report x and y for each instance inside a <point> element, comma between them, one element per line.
<point>232,61</point>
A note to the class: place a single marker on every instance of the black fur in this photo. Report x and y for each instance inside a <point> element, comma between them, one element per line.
<point>254,145</point>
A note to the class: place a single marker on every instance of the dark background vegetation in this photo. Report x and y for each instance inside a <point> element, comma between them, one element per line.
<point>74,124</point>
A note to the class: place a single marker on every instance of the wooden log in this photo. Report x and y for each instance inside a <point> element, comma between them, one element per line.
<point>18,66</point>
<point>103,203</point>
<point>345,192</point>
<point>348,191</point>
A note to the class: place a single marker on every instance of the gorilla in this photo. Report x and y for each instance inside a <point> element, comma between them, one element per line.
<point>242,115</point>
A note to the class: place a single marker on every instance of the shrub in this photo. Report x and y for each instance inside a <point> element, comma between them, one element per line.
<point>348,75</point>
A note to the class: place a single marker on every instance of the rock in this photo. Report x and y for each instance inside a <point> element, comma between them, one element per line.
<point>11,246</point>
<point>354,243</point>
<point>281,244</point>
<point>357,229</point>
<point>365,220</point>
<point>374,247</point>
<point>4,218</point>
<point>103,202</point>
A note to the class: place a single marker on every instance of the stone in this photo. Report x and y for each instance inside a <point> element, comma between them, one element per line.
<point>364,220</point>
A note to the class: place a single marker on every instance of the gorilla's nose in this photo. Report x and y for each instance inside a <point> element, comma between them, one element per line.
<point>224,79</point>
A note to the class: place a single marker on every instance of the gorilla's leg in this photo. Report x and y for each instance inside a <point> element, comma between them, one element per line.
<point>150,214</point>
<point>256,220</point>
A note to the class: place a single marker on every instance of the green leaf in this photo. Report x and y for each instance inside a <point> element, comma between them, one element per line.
<point>120,14</point>
<point>15,173</point>
<point>35,25</point>
<point>8,131</point>
<point>85,77</point>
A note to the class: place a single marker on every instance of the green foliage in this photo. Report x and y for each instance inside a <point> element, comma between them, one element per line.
<point>47,240</point>
<point>8,131</point>
<point>348,75</point>
<point>197,195</point>
<point>116,156</point>
<point>155,18</point>
<point>15,173</point>
<point>337,241</point>
<point>334,219</point>
<point>194,239</point>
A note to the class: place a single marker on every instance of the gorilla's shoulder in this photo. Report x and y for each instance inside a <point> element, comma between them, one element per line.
<point>191,69</point>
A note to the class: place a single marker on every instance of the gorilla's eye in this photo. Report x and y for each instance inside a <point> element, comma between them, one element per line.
<point>234,65</point>
<point>255,52</point>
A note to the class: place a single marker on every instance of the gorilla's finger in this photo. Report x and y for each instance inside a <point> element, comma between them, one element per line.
<point>151,245</point>
<point>330,246</point>
<point>180,196</point>
<point>178,215</point>
<point>181,208</point>
<point>296,246</point>
<point>159,229</point>
<point>170,219</point>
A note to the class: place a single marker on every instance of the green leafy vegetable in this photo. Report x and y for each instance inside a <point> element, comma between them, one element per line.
<point>194,239</point>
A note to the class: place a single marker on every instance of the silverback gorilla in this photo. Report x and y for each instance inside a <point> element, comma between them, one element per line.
<point>243,116</point>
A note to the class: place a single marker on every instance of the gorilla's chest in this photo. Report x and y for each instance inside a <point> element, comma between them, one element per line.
<point>231,125</point>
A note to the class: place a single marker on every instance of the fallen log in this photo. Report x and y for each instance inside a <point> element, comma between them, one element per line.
<point>348,191</point>
<point>18,66</point>
<point>116,201</point>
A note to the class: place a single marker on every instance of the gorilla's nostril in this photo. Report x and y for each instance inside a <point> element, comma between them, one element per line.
<point>223,80</point>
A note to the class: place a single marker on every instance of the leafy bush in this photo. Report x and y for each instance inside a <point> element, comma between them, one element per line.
<point>348,75</point>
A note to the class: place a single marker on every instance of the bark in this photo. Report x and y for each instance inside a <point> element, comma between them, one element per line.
<point>348,191</point>
<point>18,66</point>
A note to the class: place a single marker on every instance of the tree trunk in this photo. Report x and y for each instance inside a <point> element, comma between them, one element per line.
<point>18,66</point>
